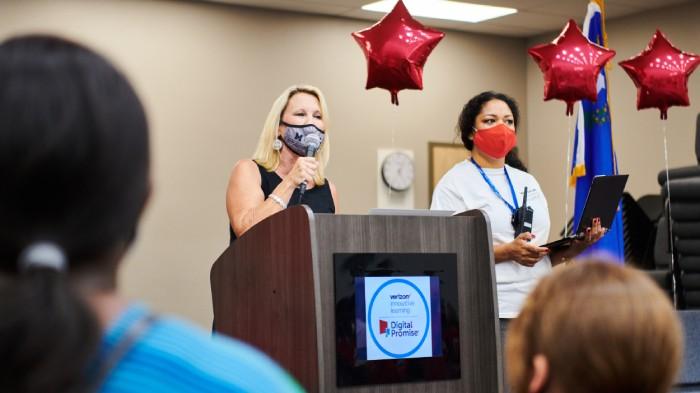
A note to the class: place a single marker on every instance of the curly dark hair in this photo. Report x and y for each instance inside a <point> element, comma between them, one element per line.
<point>467,119</point>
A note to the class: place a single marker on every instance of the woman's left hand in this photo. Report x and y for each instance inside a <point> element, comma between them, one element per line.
<point>593,233</point>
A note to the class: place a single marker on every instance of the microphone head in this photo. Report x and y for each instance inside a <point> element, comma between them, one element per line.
<point>312,142</point>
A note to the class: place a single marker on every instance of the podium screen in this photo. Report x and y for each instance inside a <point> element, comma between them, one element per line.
<point>396,318</point>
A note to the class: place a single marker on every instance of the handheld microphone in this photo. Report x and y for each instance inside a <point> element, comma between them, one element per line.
<point>312,142</point>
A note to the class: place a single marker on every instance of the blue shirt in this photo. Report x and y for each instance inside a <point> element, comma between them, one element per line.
<point>175,356</point>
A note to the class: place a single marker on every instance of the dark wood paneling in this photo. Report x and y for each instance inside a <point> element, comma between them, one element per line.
<point>263,292</point>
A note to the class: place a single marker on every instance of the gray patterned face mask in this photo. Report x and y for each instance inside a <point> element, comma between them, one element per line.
<point>295,137</point>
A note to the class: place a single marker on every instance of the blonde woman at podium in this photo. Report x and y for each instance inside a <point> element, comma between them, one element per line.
<point>288,165</point>
<point>494,180</point>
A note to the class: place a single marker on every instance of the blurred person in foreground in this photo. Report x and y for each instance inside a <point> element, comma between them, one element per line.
<point>74,169</point>
<point>594,327</point>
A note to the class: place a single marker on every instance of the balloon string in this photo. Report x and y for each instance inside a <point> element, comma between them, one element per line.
<point>567,173</point>
<point>393,126</point>
<point>395,117</point>
<point>670,217</point>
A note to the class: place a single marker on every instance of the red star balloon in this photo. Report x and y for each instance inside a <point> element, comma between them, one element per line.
<point>396,49</point>
<point>661,74</point>
<point>570,65</point>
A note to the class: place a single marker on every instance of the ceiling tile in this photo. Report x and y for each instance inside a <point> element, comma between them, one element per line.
<point>312,7</point>
<point>487,28</point>
<point>534,16</point>
<point>568,9</point>
<point>517,4</point>
<point>536,21</point>
<point>503,30</point>
<point>646,4</point>
<point>344,3</point>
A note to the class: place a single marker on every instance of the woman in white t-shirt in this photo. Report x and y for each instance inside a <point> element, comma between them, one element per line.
<point>494,180</point>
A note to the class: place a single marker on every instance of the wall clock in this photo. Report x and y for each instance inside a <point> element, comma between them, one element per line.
<point>398,171</point>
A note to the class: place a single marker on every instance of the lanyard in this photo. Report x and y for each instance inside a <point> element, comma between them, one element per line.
<point>134,333</point>
<point>493,188</point>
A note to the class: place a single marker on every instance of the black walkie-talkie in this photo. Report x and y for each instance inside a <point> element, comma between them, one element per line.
<point>522,218</point>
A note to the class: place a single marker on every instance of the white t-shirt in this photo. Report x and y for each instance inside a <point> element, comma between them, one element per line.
<point>463,188</point>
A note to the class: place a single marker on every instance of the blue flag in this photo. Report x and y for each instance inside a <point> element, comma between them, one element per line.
<point>593,148</point>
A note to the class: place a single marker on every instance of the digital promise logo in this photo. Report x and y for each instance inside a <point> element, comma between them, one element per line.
<point>398,329</point>
<point>383,328</point>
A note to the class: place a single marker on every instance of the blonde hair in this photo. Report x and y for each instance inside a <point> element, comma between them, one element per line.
<point>602,328</point>
<point>268,157</point>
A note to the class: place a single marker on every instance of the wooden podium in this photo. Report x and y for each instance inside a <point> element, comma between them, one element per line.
<point>274,288</point>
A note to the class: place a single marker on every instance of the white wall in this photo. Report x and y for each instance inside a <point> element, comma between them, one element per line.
<point>208,74</point>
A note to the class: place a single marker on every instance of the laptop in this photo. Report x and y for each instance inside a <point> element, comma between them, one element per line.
<point>602,201</point>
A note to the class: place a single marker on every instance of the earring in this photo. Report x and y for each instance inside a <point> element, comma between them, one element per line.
<point>277,145</point>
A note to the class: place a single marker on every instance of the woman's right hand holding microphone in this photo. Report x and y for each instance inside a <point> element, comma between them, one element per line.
<point>304,170</point>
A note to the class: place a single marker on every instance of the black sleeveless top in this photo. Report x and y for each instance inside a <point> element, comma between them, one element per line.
<point>319,199</point>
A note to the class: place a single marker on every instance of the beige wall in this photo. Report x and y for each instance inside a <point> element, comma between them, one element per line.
<point>208,75</point>
<point>637,135</point>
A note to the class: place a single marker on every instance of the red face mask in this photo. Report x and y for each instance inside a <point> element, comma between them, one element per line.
<point>495,141</point>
